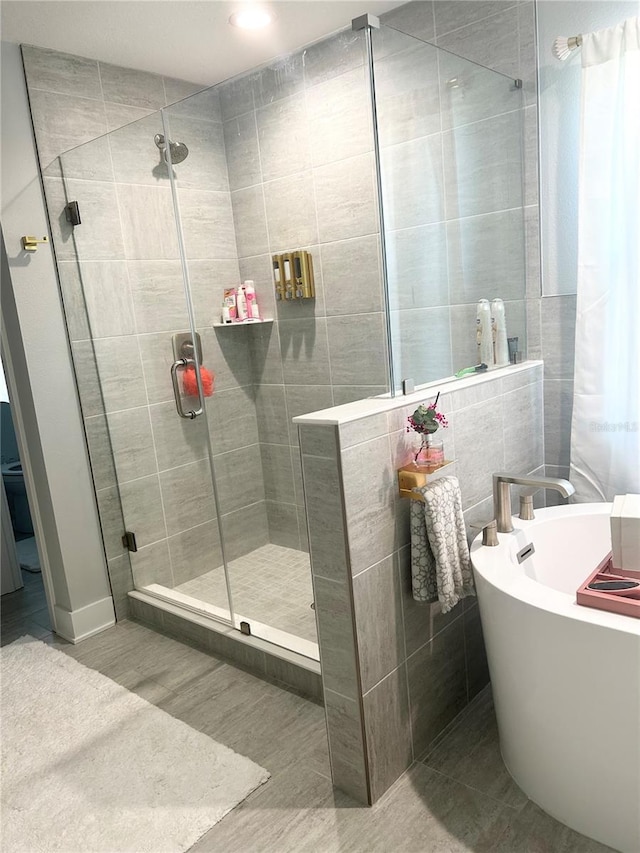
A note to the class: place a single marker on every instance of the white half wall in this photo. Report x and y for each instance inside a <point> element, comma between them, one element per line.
<point>41,381</point>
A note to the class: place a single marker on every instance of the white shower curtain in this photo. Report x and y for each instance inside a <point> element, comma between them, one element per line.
<point>605,434</point>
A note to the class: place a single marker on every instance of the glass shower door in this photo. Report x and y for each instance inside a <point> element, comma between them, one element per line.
<point>136,355</point>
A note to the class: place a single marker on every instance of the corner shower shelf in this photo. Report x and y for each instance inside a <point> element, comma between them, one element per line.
<point>242,323</point>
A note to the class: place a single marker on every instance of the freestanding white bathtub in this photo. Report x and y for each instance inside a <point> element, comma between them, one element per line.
<point>565,678</point>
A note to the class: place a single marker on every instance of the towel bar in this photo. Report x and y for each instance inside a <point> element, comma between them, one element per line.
<point>414,476</point>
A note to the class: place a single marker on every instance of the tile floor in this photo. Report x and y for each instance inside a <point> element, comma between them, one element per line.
<point>271,585</point>
<point>459,799</point>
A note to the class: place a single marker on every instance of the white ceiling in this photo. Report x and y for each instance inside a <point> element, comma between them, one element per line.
<point>189,39</point>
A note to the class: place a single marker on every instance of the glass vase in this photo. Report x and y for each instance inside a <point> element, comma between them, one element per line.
<point>430,454</point>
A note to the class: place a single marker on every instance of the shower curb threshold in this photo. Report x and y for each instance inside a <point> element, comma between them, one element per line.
<point>262,658</point>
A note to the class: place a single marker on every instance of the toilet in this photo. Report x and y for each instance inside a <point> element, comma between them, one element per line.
<point>12,475</point>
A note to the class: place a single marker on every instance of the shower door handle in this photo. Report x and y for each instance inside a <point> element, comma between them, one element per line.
<point>182,362</point>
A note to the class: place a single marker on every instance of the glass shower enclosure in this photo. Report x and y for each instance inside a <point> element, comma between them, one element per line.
<point>188,420</point>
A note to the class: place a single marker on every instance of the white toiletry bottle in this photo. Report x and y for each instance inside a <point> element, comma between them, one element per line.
<point>500,324</point>
<point>485,334</point>
<point>253,312</point>
<point>241,301</point>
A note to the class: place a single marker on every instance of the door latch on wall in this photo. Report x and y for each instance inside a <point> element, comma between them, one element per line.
<point>129,541</point>
<point>72,213</point>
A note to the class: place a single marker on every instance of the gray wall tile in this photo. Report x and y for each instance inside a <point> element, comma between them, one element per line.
<point>195,552</point>
<point>264,344</point>
<point>483,166</point>
<point>422,344</point>
<point>346,747</point>
<point>136,160</point>
<point>271,412</point>
<point>105,296</point>
<point>407,97</point>
<point>54,71</point>
<point>304,350</point>
<point>487,40</point>
<point>233,471</point>
<point>250,221</point>
<point>324,510</point>
<point>558,407</point>
<point>558,343</point>
<point>335,636</point>
<point>158,296</point>
<point>128,86</point>
<point>131,443</point>
<point>207,224</point>
<point>318,441</point>
<point>476,655</point>
<point>280,79</point>
<point>206,166</point>
<point>187,496</point>
<point>339,117</point>
<point>415,18</point>
<point>177,441</point>
<point>100,238</point>
<point>523,429</point>
<point>333,56</point>
<point>351,276</point>
<point>277,472</point>
<point>282,519</point>
<point>345,199</point>
<point>355,350</point>
<point>476,466</point>
<point>62,122</point>
<point>111,521</point>
<point>369,512</point>
<point>121,583</point>
<point>388,730</point>
<point>109,373</point>
<point>486,257</point>
<point>119,115</point>
<point>364,429</point>
<point>290,214</point>
<point>245,530</point>
<point>412,183</point>
<point>231,417</point>
<point>236,96</point>
<point>241,146</point>
<point>378,612</point>
<point>208,280</point>
<point>227,352</point>
<point>152,565</point>
<point>283,138</point>
<point>302,399</point>
<point>437,684</point>
<point>417,267</point>
<point>193,98</point>
<point>422,620</point>
<point>492,93</point>
<point>157,357</point>
<point>148,223</point>
<point>142,509</point>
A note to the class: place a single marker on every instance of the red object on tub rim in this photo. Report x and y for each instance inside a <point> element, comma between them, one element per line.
<point>602,600</point>
<point>190,384</point>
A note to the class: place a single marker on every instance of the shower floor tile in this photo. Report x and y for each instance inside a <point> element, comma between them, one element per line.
<point>271,585</point>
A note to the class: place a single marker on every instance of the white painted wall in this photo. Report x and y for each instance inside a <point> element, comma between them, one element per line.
<point>559,131</point>
<point>39,372</point>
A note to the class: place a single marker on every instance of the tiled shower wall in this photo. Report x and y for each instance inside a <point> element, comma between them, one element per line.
<point>395,672</point>
<point>120,330</point>
<point>299,147</point>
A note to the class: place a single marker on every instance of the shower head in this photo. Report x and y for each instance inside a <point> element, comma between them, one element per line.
<point>178,150</point>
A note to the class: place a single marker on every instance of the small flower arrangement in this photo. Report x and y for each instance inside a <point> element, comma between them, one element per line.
<point>427,419</point>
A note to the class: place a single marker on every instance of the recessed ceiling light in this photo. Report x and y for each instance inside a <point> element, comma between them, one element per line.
<point>252,18</point>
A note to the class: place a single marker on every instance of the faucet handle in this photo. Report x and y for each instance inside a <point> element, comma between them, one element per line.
<point>489,531</point>
<point>526,505</point>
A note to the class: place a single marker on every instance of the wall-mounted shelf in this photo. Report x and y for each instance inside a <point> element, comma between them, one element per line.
<point>242,323</point>
<point>414,476</point>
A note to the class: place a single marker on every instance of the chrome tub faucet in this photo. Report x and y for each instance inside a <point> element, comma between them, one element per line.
<point>502,495</point>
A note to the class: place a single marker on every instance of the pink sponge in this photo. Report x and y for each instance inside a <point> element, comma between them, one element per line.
<point>190,384</point>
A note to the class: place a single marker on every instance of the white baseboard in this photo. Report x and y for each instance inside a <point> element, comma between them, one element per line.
<point>77,625</point>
